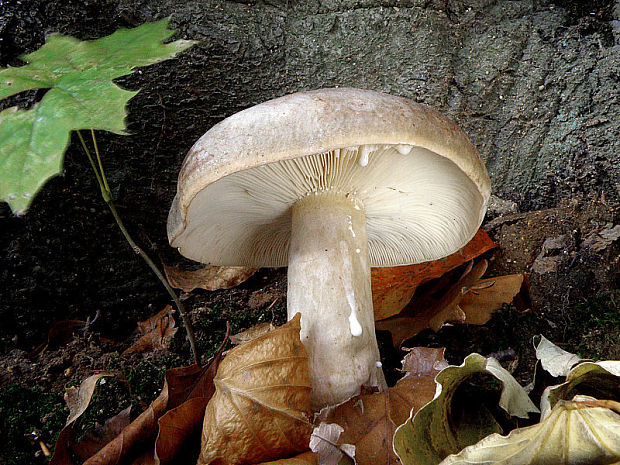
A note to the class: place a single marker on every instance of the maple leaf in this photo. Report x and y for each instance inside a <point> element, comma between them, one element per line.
<point>81,95</point>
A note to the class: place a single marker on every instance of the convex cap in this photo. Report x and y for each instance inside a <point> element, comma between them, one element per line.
<point>416,175</point>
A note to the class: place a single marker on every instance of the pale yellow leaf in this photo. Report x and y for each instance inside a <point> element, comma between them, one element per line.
<point>433,433</point>
<point>576,432</point>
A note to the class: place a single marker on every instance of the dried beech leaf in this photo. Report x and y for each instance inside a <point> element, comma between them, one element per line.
<point>577,432</point>
<point>324,442</point>
<point>178,438</point>
<point>305,458</point>
<point>77,400</point>
<point>601,379</point>
<point>252,333</point>
<point>210,277</point>
<point>261,407</point>
<point>556,361</point>
<point>157,332</point>
<point>433,433</point>
<point>369,421</point>
<point>393,287</point>
<point>180,384</point>
<point>95,439</point>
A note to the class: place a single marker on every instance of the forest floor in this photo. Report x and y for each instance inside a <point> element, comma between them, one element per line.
<point>570,254</point>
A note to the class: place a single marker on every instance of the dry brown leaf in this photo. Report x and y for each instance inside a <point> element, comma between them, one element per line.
<point>60,333</point>
<point>369,421</point>
<point>179,428</point>
<point>261,406</point>
<point>305,458</point>
<point>77,400</point>
<point>488,296</point>
<point>252,333</point>
<point>470,300</point>
<point>393,287</point>
<point>426,312</point>
<point>136,440</point>
<point>99,436</point>
<point>210,277</point>
<point>324,442</point>
<point>157,332</point>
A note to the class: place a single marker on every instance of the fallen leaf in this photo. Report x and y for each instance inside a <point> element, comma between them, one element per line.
<point>393,287</point>
<point>424,362</point>
<point>601,379</point>
<point>305,458</point>
<point>137,439</point>
<point>210,277</point>
<point>599,241</point>
<point>489,294</point>
<point>77,400</point>
<point>441,428</point>
<point>557,362</point>
<point>60,333</point>
<point>179,428</point>
<point>261,407</point>
<point>324,442</point>
<point>157,332</point>
<point>427,312</point>
<point>470,300</point>
<point>577,432</point>
<point>252,333</point>
<point>95,439</point>
<point>369,421</point>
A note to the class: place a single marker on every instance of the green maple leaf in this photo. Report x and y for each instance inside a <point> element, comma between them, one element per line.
<point>81,95</point>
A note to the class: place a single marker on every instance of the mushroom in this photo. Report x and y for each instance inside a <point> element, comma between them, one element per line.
<point>329,183</point>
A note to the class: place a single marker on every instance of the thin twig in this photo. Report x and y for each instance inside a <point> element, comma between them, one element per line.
<point>107,196</point>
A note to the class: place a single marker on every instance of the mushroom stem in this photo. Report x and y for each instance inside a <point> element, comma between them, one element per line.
<point>329,284</point>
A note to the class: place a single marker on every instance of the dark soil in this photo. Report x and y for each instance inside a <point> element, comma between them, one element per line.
<point>535,85</point>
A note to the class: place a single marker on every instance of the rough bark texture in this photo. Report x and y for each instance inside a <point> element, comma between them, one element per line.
<point>534,83</point>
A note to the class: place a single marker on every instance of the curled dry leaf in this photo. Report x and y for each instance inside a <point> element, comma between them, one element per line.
<point>77,400</point>
<point>261,407</point>
<point>157,332</point>
<point>470,300</point>
<point>60,333</point>
<point>369,421</point>
<point>393,287</point>
<point>593,378</point>
<point>440,428</point>
<point>210,277</point>
<point>136,440</point>
<point>554,360</point>
<point>577,432</point>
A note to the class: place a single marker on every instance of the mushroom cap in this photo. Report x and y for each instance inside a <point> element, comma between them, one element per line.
<point>418,177</point>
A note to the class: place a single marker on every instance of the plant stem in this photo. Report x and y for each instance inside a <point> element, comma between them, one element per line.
<point>107,196</point>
